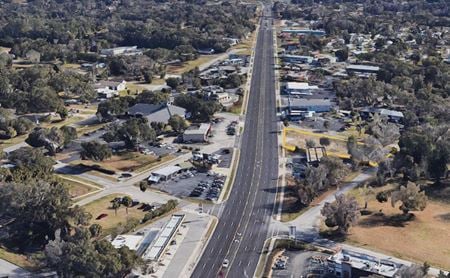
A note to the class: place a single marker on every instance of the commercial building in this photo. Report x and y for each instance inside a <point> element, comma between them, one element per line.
<point>304,32</point>
<point>159,113</point>
<point>300,108</point>
<point>349,264</point>
<point>391,115</point>
<point>164,238</point>
<point>362,69</point>
<point>286,58</point>
<point>299,88</point>
<point>197,134</point>
<point>124,50</point>
<point>164,174</point>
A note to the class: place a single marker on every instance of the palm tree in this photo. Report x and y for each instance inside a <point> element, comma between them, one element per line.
<point>126,201</point>
<point>115,205</point>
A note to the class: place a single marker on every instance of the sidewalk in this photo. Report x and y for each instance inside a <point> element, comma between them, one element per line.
<point>11,270</point>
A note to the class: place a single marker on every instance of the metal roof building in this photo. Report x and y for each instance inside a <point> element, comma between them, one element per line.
<point>166,235</point>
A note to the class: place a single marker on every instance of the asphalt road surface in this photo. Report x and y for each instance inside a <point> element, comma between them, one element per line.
<point>244,223</point>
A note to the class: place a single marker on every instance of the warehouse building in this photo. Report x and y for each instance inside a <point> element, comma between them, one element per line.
<point>197,134</point>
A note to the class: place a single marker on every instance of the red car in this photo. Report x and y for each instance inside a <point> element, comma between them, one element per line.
<point>101,216</point>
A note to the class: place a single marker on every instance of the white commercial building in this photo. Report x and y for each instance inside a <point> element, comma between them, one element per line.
<point>300,88</point>
<point>164,174</point>
<point>348,263</point>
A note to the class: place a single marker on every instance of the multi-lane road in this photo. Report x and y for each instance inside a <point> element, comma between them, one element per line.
<point>244,222</point>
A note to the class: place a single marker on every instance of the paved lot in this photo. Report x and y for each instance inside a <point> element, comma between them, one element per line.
<point>182,187</point>
<point>299,264</point>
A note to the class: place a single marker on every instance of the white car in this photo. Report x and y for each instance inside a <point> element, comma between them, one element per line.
<point>225,263</point>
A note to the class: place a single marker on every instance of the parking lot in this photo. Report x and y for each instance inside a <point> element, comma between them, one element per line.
<point>302,264</point>
<point>193,184</point>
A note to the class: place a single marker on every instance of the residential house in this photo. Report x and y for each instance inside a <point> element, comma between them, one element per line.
<point>108,89</point>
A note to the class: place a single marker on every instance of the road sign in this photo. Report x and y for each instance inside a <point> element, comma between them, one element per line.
<point>292,231</point>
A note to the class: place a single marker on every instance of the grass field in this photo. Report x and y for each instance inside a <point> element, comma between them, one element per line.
<point>17,259</point>
<point>109,223</point>
<point>425,238</point>
<point>78,187</point>
<point>189,65</point>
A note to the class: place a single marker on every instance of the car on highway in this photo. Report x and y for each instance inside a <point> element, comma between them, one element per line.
<point>225,263</point>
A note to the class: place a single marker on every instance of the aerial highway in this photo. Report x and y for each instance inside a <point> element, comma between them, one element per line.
<point>244,223</point>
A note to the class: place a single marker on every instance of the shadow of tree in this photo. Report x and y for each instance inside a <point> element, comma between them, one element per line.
<point>379,219</point>
<point>444,217</point>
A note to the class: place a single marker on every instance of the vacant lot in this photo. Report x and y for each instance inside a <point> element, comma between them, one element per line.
<point>78,187</point>
<point>187,66</point>
<point>130,161</point>
<point>111,221</point>
<point>425,238</point>
<point>338,144</point>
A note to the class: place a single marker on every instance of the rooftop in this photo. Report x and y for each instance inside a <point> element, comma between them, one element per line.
<point>166,171</point>
<point>300,86</point>
<point>366,263</point>
<point>156,250</point>
<point>201,129</point>
<point>308,102</point>
<point>131,241</point>
<point>362,68</point>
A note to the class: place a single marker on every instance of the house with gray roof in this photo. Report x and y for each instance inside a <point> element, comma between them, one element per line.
<point>159,113</point>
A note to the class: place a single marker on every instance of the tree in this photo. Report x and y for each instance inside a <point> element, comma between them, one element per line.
<point>342,54</point>
<point>334,168</point>
<point>133,131</point>
<point>127,202</point>
<point>411,197</point>
<point>31,164</point>
<point>95,151</point>
<point>178,123</point>
<point>342,214</point>
<point>115,205</point>
<point>78,255</point>
<point>151,97</point>
<point>51,139</point>
<point>310,143</point>
<point>148,76</point>
<point>95,230</point>
<point>413,271</point>
<point>69,134</point>
<point>173,82</point>
<point>143,185</point>
<point>385,169</point>
<point>39,209</point>
<point>324,141</point>
<point>326,125</point>
<point>382,196</point>
<point>366,191</point>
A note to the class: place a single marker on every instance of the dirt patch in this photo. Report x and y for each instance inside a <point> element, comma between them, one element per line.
<point>425,237</point>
